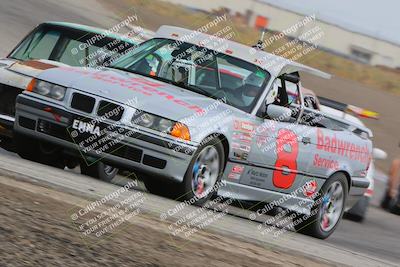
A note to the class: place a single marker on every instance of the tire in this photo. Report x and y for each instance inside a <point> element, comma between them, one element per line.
<point>7,143</point>
<point>99,170</point>
<point>31,149</point>
<point>326,212</point>
<point>26,147</point>
<point>192,184</point>
<point>358,212</point>
<point>199,175</point>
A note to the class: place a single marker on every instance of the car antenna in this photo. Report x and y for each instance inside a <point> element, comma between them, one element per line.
<point>260,43</point>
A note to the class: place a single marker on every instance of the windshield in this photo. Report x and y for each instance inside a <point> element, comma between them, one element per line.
<point>69,46</point>
<point>198,69</point>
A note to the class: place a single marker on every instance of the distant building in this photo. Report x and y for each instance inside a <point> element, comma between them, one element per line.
<point>358,46</point>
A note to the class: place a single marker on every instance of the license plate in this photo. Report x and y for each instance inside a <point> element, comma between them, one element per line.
<point>82,127</point>
<point>89,135</point>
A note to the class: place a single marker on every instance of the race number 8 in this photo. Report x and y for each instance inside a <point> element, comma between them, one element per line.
<point>287,149</point>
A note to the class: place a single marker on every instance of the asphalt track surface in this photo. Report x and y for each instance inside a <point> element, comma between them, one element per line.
<point>375,242</point>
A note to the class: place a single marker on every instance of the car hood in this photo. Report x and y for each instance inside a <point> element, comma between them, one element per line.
<point>18,74</point>
<point>149,95</point>
<point>33,67</point>
<point>7,62</point>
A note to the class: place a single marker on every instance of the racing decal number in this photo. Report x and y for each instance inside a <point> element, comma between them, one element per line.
<point>287,149</point>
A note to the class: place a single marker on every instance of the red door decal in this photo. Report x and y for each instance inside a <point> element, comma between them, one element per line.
<point>287,149</point>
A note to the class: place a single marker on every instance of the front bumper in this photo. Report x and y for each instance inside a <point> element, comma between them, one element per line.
<point>134,150</point>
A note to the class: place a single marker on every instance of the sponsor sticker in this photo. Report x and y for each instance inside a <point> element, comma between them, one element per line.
<point>310,188</point>
<point>234,176</point>
<point>332,144</point>
<point>241,155</point>
<point>238,169</point>
<point>236,172</point>
<point>242,137</point>
<point>257,173</point>
<point>244,126</point>
<point>241,147</point>
<point>325,163</point>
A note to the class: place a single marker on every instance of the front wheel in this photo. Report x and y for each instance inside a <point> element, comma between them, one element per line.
<point>99,170</point>
<point>201,179</point>
<point>327,210</point>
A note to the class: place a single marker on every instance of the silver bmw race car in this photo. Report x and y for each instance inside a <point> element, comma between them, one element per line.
<point>201,115</point>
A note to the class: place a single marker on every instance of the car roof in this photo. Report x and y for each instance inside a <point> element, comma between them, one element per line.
<point>276,65</point>
<point>90,29</point>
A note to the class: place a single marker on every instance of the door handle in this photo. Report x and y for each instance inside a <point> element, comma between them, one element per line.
<point>306,140</point>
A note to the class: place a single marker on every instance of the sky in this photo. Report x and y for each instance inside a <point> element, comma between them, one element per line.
<point>377,18</point>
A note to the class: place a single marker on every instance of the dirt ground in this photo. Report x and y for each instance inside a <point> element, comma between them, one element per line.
<point>36,230</point>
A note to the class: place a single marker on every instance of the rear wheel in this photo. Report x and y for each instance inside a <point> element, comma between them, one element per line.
<point>327,210</point>
<point>99,170</point>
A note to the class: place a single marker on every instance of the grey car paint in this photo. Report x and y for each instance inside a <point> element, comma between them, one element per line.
<point>251,171</point>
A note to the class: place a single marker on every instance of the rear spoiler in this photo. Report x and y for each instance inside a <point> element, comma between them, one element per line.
<point>364,113</point>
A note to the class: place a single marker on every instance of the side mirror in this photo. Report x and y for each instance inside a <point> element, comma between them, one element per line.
<point>378,153</point>
<point>278,113</point>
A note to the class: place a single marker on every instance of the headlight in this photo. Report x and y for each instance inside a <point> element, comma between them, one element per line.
<point>146,120</point>
<point>42,88</point>
<point>165,125</point>
<point>51,90</point>
<point>161,124</point>
<point>58,92</point>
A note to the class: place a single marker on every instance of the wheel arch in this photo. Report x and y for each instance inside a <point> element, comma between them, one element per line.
<point>346,174</point>
<point>224,141</point>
